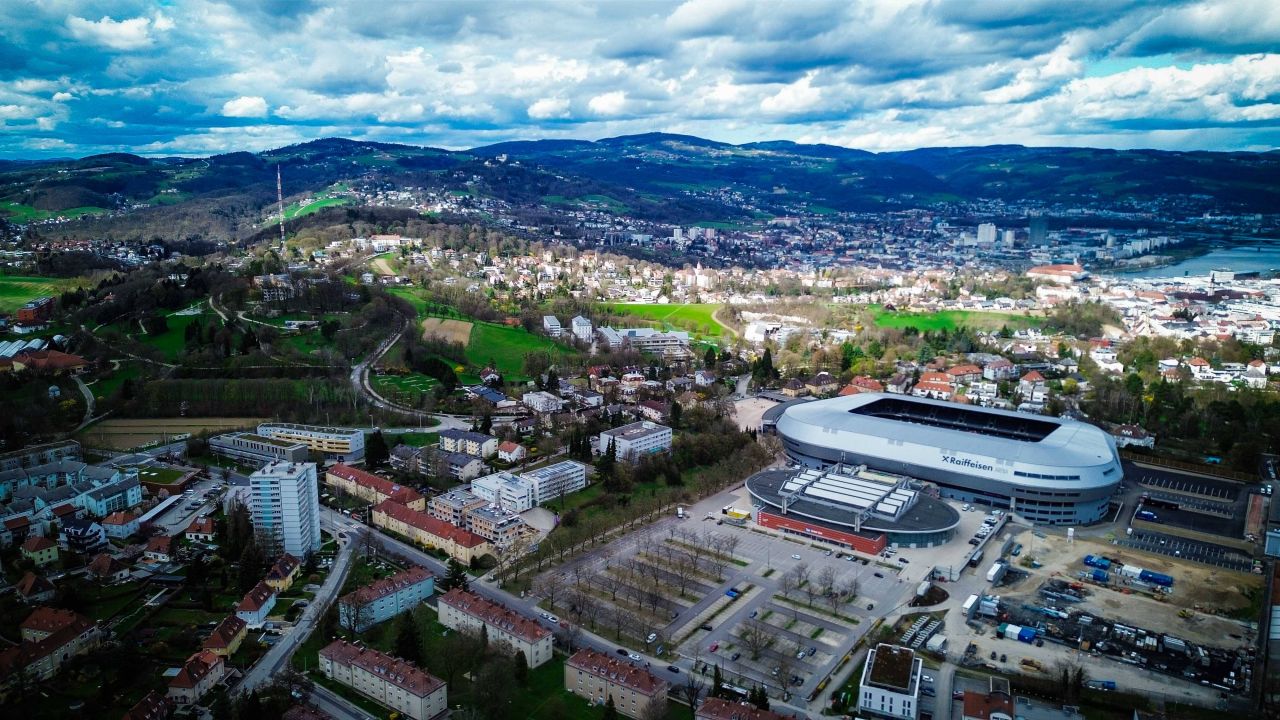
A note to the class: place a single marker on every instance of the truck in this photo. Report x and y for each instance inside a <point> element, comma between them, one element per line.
<point>1100,576</point>
<point>1097,561</point>
<point>975,559</point>
<point>995,572</point>
<point>969,605</point>
<point>1148,516</point>
<point>1156,578</point>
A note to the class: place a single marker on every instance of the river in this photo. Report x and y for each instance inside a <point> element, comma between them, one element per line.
<point>1262,256</point>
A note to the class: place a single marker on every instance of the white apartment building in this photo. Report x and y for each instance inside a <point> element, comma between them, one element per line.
<point>552,481</point>
<point>581,328</point>
<point>506,490</point>
<point>468,442</point>
<point>390,681</point>
<point>890,686</point>
<point>542,402</point>
<point>634,441</point>
<point>285,505</point>
<point>462,610</point>
<point>551,326</point>
<point>341,444</point>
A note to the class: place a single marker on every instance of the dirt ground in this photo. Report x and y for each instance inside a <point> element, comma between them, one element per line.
<point>125,434</point>
<point>381,267</point>
<point>457,331</point>
<point>750,410</point>
<point>1202,589</point>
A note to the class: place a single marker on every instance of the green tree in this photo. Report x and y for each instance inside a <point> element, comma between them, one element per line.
<point>717,683</point>
<point>758,697</point>
<point>252,564</point>
<point>709,359</point>
<point>456,577</point>
<point>408,640</point>
<point>520,668</point>
<point>610,712</point>
<point>375,449</point>
<point>676,412</point>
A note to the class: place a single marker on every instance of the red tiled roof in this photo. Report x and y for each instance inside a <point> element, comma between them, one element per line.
<point>65,509</point>
<point>103,565</point>
<point>159,544</point>
<point>51,360</point>
<point>256,598</point>
<point>1033,376</point>
<point>33,584</point>
<point>720,709</point>
<point>50,620</point>
<point>380,485</point>
<point>401,673</point>
<point>202,526</point>
<point>616,670</point>
<point>387,586</point>
<point>37,543</point>
<point>428,524</point>
<point>196,668</point>
<point>508,447</point>
<point>935,377</point>
<point>225,634</point>
<point>980,706</point>
<point>119,517</point>
<point>494,614</point>
<point>152,707</point>
<point>964,370</point>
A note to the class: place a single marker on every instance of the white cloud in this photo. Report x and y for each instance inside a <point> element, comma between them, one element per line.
<point>63,97</point>
<point>610,103</point>
<point>549,109</point>
<point>245,107</point>
<point>798,97</point>
<point>131,34</point>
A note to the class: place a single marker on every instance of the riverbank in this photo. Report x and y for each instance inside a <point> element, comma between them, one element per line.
<point>1198,257</point>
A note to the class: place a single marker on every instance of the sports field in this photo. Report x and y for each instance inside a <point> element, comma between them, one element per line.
<point>697,318</point>
<point>16,290</point>
<point>952,319</point>
<point>458,331</point>
<point>125,434</point>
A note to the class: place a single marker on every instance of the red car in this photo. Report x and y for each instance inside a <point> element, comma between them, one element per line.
<point>714,647</point>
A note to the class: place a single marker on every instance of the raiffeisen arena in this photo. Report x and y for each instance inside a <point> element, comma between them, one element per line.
<point>853,506</point>
<point>1048,470</point>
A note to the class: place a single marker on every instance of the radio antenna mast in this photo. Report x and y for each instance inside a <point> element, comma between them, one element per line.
<point>280,199</point>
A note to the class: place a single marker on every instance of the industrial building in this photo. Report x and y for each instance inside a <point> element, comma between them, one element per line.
<point>1049,470</point>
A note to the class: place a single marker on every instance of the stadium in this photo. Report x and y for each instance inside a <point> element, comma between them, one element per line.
<point>1048,470</point>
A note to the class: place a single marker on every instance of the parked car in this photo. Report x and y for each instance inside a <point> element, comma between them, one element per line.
<point>879,574</point>
<point>714,647</point>
<point>927,691</point>
<point>812,649</point>
<point>635,656</point>
<point>735,656</point>
<point>974,541</point>
<point>795,557</point>
<point>651,638</point>
<point>926,678</point>
<point>706,626</point>
<point>673,668</point>
<point>904,561</point>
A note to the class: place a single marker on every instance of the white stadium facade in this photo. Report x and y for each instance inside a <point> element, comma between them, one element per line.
<point>1048,470</point>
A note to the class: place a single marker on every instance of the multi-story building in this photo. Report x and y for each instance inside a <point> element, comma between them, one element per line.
<point>468,442</point>
<point>463,610</point>
<point>598,677</point>
<point>152,707</point>
<point>581,328</point>
<point>453,506</point>
<point>39,455</point>
<point>202,529</point>
<point>341,444</point>
<point>500,527</point>
<point>551,326</point>
<point>49,638</point>
<point>429,532</point>
<point>542,402</point>
<point>197,676</point>
<point>506,490</point>
<point>121,524</point>
<point>671,345</point>
<point>227,636</point>
<point>258,448</point>
<point>371,488</point>
<point>714,708</point>
<point>395,683</point>
<point>634,441</point>
<point>40,550</point>
<point>610,337</point>
<point>995,704</point>
<point>112,496</point>
<point>461,465</point>
<point>552,481</point>
<point>82,536</point>
<point>890,685</point>
<point>285,505</point>
<point>382,600</point>
<point>36,312</point>
<point>256,605</point>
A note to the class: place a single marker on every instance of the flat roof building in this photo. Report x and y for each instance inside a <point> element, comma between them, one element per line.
<point>341,444</point>
<point>637,440</point>
<point>285,504</point>
<point>890,685</point>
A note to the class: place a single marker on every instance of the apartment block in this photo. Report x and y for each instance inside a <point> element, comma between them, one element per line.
<point>453,506</point>
<point>890,685</point>
<point>500,527</point>
<point>552,481</point>
<point>285,504</point>
<point>341,444</point>
<point>598,677</point>
<point>371,488</point>
<point>382,600</point>
<point>429,532</point>
<point>462,610</point>
<point>637,440</point>
<point>468,442</point>
<point>395,683</point>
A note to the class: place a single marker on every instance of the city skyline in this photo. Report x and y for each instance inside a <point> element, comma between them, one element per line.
<point>197,78</point>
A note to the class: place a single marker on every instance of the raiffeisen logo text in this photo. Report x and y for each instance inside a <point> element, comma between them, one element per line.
<point>966,462</point>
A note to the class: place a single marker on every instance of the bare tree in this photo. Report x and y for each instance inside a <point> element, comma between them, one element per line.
<point>692,689</point>
<point>715,555</point>
<point>850,588</point>
<point>549,587</point>
<point>793,580</point>
<point>611,583</point>
<point>729,544</point>
<point>756,636</point>
<point>682,565</point>
<point>656,710</point>
<point>826,582</point>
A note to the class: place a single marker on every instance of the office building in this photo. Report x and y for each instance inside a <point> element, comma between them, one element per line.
<point>258,448</point>
<point>285,505</point>
<point>634,441</point>
<point>341,444</point>
<point>552,481</point>
<point>500,527</point>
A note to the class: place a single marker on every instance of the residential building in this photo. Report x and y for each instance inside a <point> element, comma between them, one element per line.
<point>49,638</point>
<point>227,636</point>
<point>964,374</point>
<point>714,708</point>
<point>202,529</point>
<point>512,452</point>
<point>45,454</point>
<point>794,388</point>
<point>120,524</point>
<point>112,496</point>
<point>36,312</point>
<point>382,600</point>
<point>581,328</point>
<point>33,588</point>
<point>461,466</point>
<point>159,549</point>
<point>824,383</point>
<point>462,545</point>
<point>197,676</point>
<point>654,410</point>
<point>553,481</point>
<point>500,527</point>
<point>395,683</point>
<point>542,402</point>
<point>282,573</point>
<point>106,569</point>
<point>285,505</point>
<point>598,677</point>
<point>551,326</point>
<point>704,378</point>
<point>258,448</point>
<point>40,550</point>
<point>406,459</point>
<point>890,685</point>
<point>152,707</point>
<point>453,506</point>
<point>995,704</point>
<point>462,610</point>
<point>82,536</point>
<point>468,442</point>
<point>256,605</point>
<point>341,444</point>
<point>1000,369</point>
<point>1133,435</point>
<point>635,441</point>
<point>506,490</point>
<point>371,488</point>
<point>1031,384</point>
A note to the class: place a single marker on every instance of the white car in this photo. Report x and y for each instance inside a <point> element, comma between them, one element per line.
<point>634,656</point>
<point>795,557</point>
<point>926,678</point>
<point>550,618</point>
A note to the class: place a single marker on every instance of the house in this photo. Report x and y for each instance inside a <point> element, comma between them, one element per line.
<point>227,636</point>
<point>196,677</point>
<point>794,388</point>
<point>106,569</point>
<point>256,605</point>
<point>679,384</point>
<point>49,638</point>
<point>33,588</point>
<point>1132,435</point>
<point>1031,384</point>
<point>152,707</point>
<point>282,573</point>
<point>599,677</point>
<point>654,410</point>
<point>999,369</point>
<point>704,378</point>
<point>965,374</point>
<point>395,683</point>
<point>406,459</point>
<point>995,704</point>
<point>822,384</point>
<point>463,610</point>
<point>1200,368</point>
<point>898,384</point>
<point>40,550</point>
<point>159,549</point>
<point>120,524</point>
<point>933,389</point>
<point>82,536</point>
<point>202,529</point>
<point>512,452</point>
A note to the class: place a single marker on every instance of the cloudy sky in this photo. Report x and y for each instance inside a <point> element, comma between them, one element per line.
<point>207,76</point>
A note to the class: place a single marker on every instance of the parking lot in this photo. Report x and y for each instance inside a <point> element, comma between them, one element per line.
<point>1160,479</point>
<point>1200,552</point>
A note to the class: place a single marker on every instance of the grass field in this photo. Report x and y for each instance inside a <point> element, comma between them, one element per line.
<point>106,387</point>
<point>506,347</point>
<point>16,290</point>
<point>695,317</point>
<point>19,213</point>
<point>458,331</point>
<point>124,434</point>
<point>297,210</point>
<point>159,475</point>
<point>952,319</point>
<point>405,389</point>
<point>174,340</point>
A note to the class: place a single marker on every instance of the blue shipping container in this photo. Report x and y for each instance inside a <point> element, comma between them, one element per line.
<point>1101,576</point>
<point>1027,635</point>
<point>1156,578</point>
<point>1097,561</point>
